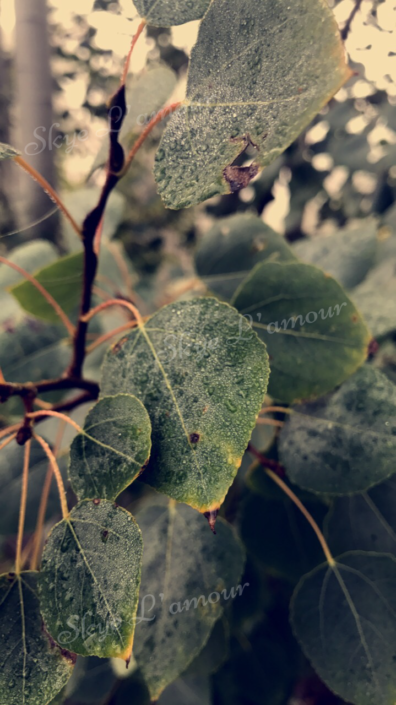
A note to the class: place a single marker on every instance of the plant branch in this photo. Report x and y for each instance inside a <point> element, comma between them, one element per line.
<point>57,414</point>
<point>48,190</point>
<point>348,25</point>
<point>275,409</point>
<point>11,389</point>
<point>270,422</point>
<point>267,462</point>
<point>155,120</point>
<point>128,59</point>
<point>115,302</point>
<point>107,336</point>
<point>54,304</point>
<point>22,510</point>
<point>55,468</point>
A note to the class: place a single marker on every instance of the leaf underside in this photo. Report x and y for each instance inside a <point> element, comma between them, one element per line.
<point>34,669</point>
<point>315,336</point>
<point>111,452</point>
<point>89,580</point>
<point>347,442</point>
<point>201,373</point>
<point>273,65</point>
<point>345,619</point>
<point>184,565</point>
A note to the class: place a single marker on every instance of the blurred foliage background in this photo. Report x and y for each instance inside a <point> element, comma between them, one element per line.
<point>340,173</point>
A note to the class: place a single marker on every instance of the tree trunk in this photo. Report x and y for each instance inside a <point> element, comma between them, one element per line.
<point>35,115</point>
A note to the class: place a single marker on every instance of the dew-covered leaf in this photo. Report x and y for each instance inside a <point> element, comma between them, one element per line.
<point>232,247</point>
<point>111,452</point>
<point>146,95</point>
<point>315,336</point>
<point>11,465</point>
<point>273,65</point>
<point>166,13</point>
<point>345,618</point>
<point>7,152</point>
<point>365,521</point>
<point>89,580</point>
<point>347,255</point>
<point>201,373</point>
<point>346,442</point>
<point>33,668</point>
<point>62,279</point>
<point>188,577</point>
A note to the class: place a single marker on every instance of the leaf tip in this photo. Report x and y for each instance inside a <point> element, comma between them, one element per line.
<point>211,516</point>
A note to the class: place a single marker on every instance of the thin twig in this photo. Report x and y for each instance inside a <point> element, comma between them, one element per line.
<point>348,25</point>
<point>107,336</point>
<point>270,422</point>
<point>48,190</point>
<point>44,499</point>
<point>155,120</point>
<point>7,431</point>
<point>267,462</point>
<point>275,409</point>
<point>128,59</point>
<point>114,302</point>
<point>50,299</point>
<point>57,414</point>
<point>55,467</point>
<point>22,509</point>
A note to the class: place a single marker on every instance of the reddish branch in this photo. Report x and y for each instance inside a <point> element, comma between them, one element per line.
<point>273,465</point>
<point>348,25</point>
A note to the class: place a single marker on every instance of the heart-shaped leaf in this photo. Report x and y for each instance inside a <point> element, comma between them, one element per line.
<point>89,580</point>
<point>230,250</point>
<point>345,443</point>
<point>201,373</point>
<point>33,668</point>
<point>163,13</point>
<point>345,618</point>
<point>315,336</point>
<point>183,591</point>
<point>365,521</point>
<point>7,152</point>
<point>111,452</point>
<point>273,65</point>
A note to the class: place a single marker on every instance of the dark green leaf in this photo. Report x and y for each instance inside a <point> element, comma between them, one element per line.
<point>62,279</point>
<point>92,681</point>
<point>33,668</point>
<point>315,336</point>
<point>232,247</point>
<point>345,618</point>
<point>111,452</point>
<point>273,65</point>
<point>214,653</point>
<point>345,443</point>
<point>376,298</point>
<point>11,464</point>
<point>7,152</point>
<point>365,521</point>
<point>187,578</point>
<point>201,373</point>
<point>30,256</point>
<point>89,580</point>
<point>165,13</point>
<point>347,255</point>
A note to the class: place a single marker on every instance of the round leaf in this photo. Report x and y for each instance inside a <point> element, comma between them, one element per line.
<point>315,336</point>
<point>89,580</point>
<point>33,668</point>
<point>111,452</point>
<point>345,618</point>
<point>346,443</point>
<point>201,373</point>
<point>273,65</point>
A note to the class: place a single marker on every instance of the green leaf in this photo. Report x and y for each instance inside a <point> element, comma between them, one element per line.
<point>146,95</point>
<point>89,580</point>
<point>34,669</point>
<point>279,536</point>
<point>347,255</point>
<point>315,336</point>
<point>187,575</point>
<point>111,452</point>
<point>376,298</point>
<point>62,279</point>
<point>162,13</point>
<point>92,682</point>
<point>7,152</point>
<point>345,443</point>
<point>273,66</point>
<point>365,521</point>
<point>232,247</point>
<point>11,464</point>
<point>345,619</point>
<point>201,373</point>
<point>30,256</point>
